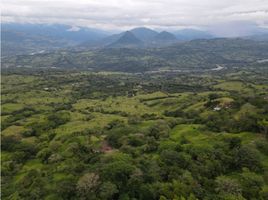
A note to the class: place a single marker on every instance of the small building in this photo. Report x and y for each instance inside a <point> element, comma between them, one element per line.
<point>217,108</point>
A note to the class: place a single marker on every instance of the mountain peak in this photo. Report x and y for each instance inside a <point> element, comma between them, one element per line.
<point>144,33</point>
<point>128,39</point>
<point>164,35</point>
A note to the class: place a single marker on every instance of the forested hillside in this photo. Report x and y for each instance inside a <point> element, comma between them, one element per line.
<point>69,134</point>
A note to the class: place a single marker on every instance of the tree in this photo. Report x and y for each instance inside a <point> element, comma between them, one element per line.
<point>87,186</point>
<point>213,96</point>
<point>171,157</point>
<point>44,154</point>
<point>234,142</point>
<point>251,183</point>
<point>59,118</point>
<point>115,123</point>
<point>159,130</point>
<point>66,188</point>
<point>264,193</point>
<point>8,143</point>
<point>134,119</point>
<point>263,124</point>
<point>32,186</point>
<point>107,191</point>
<point>118,172</point>
<point>262,146</point>
<point>248,157</point>
<point>135,181</point>
<point>226,185</point>
<point>162,198</point>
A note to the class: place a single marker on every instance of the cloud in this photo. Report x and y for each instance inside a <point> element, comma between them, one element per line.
<point>74,29</point>
<point>124,14</point>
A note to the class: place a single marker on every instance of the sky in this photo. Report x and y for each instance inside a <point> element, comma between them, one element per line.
<point>213,15</point>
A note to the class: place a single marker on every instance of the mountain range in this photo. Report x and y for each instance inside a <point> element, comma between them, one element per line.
<point>137,38</point>
<point>32,38</point>
<point>20,39</point>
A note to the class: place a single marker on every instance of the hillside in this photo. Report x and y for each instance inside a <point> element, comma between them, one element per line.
<point>165,36</point>
<point>194,55</point>
<point>72,134</point>
<point>144,34</point>
<point>134,100</point>
<point>127,40</point>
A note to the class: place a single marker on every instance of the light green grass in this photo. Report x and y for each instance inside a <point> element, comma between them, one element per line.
<point>99,121</point>
<point>195,134</point>
<point>118,104</point>
<point>11,107</point>
<point>246,109</point>
<point>13,131</point>
<point>232,86</point>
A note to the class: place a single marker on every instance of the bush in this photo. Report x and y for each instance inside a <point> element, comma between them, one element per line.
<point>159,129</point>
<point>114,124</point>
<point>134,119</point>
<point>262,146</point>
<point>44,154</point>
<point>57,119</point>
<point>247,157</point>
<point>8,143</point>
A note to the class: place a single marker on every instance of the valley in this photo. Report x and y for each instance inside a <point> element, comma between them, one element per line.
<point>179,135</point>
<point>133,115</point>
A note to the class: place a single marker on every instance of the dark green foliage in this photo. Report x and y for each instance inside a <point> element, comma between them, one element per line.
<point>233,142</point>
<point>8,143</point>
<point>66,188</point>
<point>31,186</point>
<point>262,146</point>
<point>248,157</point>
<point>118,172</point>
<point>159,130</point>
<point>251,184</point>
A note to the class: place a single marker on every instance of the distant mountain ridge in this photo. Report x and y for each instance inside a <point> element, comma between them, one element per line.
<point>144,34</point>
<point>258,37</point>
<point>21,39</point>
<point>18,39</point>
<point>31,38</point>
<point>128,39</point>
<point>138,37</point>
<point>57,31</point>
<point>165,36</point>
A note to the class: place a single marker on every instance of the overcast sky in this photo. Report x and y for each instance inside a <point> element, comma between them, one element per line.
<point>125,14</point>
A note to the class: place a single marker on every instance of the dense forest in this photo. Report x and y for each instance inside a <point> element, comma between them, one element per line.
<point>170,135</point>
